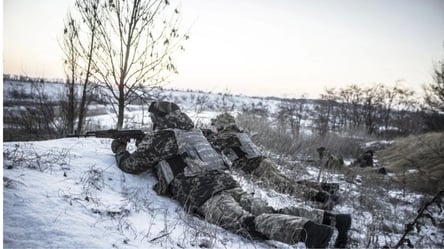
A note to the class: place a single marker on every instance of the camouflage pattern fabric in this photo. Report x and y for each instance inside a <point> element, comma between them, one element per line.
<point>266,171</point>
<point>193,191</point>
<point>281,227</point>
<point>365,160</point>
<point>211,193</point>
<point>162,108</point>
<point>232,208</point>
<point>197,152</point>
<point>231,140</point>
<point>334,162</point>
<point>220,141</point>
<point>174,120</point>
<point>152,149</point>
<point>247,146</point>
<point>313,214</point>
<point>225,123</point>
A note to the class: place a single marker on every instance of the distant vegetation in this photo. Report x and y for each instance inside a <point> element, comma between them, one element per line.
<point>37,109</point>
<point>417,161</point>
<point>346,121</point>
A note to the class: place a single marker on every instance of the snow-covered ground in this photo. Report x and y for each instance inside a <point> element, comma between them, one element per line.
<point>69,193</point>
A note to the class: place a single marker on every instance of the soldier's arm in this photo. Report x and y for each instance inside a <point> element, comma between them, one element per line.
<point>151,150</point>
<point>222,141</point>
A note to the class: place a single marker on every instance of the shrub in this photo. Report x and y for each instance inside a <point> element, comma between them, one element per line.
<point>417,161</point>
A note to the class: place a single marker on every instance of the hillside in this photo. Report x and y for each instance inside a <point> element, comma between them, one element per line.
<point>19,96</point>
<point>68,192</point>
<point>416,161</point>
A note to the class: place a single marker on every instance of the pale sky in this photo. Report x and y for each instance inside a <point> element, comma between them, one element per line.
<point>263,47</point>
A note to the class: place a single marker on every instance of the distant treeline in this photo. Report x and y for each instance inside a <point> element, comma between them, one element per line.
<point>23,78</point>
<point>40,112</point>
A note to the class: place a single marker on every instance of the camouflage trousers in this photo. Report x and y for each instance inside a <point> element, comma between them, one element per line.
<point>266,171</point>
<point>232,208</point>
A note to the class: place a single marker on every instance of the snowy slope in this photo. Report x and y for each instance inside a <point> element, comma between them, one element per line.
<point>69,193</point>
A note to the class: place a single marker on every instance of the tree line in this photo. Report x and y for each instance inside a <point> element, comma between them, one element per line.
<point>375,108</point>
<point>378,109</point>
<point>128,47</point>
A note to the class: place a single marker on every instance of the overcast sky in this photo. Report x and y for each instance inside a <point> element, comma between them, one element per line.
<point>263,47</point>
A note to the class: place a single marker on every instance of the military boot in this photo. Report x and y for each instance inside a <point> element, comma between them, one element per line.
<point>316,235</point>
<point>342,222</point>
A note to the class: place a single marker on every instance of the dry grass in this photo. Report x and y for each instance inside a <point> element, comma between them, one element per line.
<point>279,140</point>
<point>417,161</point>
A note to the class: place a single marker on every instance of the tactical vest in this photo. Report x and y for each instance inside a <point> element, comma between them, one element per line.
<point>195,155</point>
<point>197,152</point>
<point>248,147</point>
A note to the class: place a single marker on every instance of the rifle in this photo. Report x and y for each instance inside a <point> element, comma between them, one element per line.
<point>113,133</point>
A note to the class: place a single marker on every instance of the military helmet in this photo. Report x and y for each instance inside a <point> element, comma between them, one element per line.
<point>166,115</point>
<point>223,121</point>
<point>162,108</point>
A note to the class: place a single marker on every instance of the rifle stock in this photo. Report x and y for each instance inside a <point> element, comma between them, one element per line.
<point>113,133</point>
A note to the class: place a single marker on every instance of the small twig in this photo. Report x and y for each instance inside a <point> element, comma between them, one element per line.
<point>421,211</point>
<point>161,236</point>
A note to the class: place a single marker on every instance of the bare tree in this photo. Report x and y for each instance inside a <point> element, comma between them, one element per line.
<point>90,14</point>
<point>356,97</point>
<point>72,56</point>
<point>373,98</point>
<point>135,42</point>
<point>388,102</point>
<point>291,111</point>
<point>434,92</point>
<point>397,99</point>
<point>365,107</point>
<point>79,48</point>
<point>325,119</point>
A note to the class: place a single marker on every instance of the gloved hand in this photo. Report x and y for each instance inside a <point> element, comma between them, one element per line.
<point>119,143</point>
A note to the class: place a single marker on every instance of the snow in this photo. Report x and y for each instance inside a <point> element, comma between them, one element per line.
<point>76,197</point>
<point>69,193</point>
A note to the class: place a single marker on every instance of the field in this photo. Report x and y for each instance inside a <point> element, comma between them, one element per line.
<point>68,191</point>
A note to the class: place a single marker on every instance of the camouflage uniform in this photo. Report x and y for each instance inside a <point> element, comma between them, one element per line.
<point>191,171</point>
<point>365,160</point>
<point>244,155</point>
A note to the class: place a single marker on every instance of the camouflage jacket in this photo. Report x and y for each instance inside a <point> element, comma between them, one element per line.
<point>195,172</point>
<point>234,144</point>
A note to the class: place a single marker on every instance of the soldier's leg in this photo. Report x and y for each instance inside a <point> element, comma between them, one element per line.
<point>248,202</point>
<point>267,171</point>
<point>342,222</point>
<point>292,229</point>
<point>225,211</point>
<point>315,215</point>
<point>290,224</point>
<point>329,187</point>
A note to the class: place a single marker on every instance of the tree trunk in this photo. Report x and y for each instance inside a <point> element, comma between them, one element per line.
<point>121,107</point>
<point>82,109</point>
<point>85,95</point>
<point>71,107</point>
